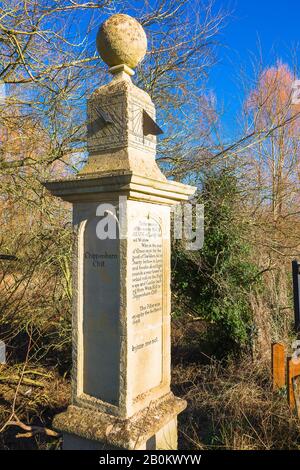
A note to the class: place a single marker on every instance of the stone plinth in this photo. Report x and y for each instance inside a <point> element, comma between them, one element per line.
<point>154,427</point>
<point>121,311</point>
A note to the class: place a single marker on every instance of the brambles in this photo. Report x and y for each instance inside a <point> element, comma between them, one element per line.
<point>216,281</point>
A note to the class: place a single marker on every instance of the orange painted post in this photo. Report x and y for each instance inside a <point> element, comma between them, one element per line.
<point>296,384</point>
<point>293,370</point>
<point>278,366</point>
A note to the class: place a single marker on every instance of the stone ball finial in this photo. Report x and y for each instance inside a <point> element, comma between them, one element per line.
<point>121,40</point>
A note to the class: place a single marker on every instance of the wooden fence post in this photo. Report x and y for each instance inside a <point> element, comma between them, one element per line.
<point>293,370</point>
<point>278,366</point>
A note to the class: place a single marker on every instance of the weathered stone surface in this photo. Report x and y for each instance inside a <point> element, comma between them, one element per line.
<point>121,321</point>
<point>101,304</point>
<point>132,433</point>
<point>121,40</point>
<point>120,144</point>
<point>164,439</point>
<point>109,186</point>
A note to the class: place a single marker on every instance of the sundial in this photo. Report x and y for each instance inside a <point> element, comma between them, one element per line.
<point>125,117</point>
<point>121,396</point>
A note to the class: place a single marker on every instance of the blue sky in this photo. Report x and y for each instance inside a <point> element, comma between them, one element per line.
<point>272,24</point>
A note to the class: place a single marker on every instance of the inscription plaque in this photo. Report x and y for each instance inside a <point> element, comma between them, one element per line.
<point>147,304</point>
<point>101,305</point>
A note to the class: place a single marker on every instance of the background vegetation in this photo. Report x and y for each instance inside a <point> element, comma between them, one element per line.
<point>230,299</point>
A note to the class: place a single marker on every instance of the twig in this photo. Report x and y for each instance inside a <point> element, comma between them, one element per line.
<point>31,430</point>
<point>14,379</point>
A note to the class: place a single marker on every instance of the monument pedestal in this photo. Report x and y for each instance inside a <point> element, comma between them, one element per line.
<point>121,313</point>
<point>121,267</point>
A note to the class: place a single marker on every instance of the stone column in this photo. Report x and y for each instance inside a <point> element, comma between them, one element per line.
<point>121,396</point>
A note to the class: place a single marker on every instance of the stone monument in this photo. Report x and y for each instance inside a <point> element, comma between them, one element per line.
<point>121,396</point>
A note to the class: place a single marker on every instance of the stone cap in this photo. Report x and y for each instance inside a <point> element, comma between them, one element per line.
<point>112,185</point>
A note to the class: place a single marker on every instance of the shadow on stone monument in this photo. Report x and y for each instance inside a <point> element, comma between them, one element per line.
<point>121,396</point>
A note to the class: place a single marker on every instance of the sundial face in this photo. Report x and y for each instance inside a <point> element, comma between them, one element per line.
<point>137,137</point>
<point>118,121</point>
<point>104,118</point>
<point>107,123</point>
<point>136,119</point>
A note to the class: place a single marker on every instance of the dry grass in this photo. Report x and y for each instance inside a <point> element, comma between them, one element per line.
<point>232,406</point>
<point>42,394</point>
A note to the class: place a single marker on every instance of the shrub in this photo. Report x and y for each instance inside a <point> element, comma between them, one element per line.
<point>214,283</point>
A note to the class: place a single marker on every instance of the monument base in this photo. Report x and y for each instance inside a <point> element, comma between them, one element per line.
<point>154,428</point>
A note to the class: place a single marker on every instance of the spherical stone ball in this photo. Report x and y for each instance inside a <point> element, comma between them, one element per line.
<point>121,40</point>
